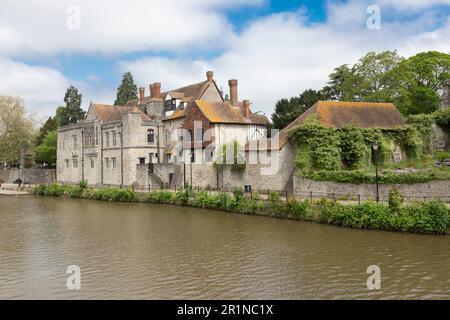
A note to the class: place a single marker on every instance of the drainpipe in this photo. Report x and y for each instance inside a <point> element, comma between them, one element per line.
<point>82,154</point>
<point>157,144</point>
<point>121,156</point>
<point>101,154</point>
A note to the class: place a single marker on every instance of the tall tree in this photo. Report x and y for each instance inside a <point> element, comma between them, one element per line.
<point>72,112</point>
<point>46,151</point>
<point>17,132</point>
<point>377,76</point>
<point>422,79</point>
<point>49,125</point>
<point>127,90</point>
<point>343,84</point>
<point>287,111</point>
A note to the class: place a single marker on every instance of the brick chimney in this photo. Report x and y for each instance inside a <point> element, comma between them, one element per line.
<point>209,75</point>
<point>246,108</point>
<point>151,90</point>
<point>141,94</point>
<point>155,90</point>
<point>233,92</point>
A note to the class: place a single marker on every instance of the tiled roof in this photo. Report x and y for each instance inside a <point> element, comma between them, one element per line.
<point>178,113</point>
<point>224,112</point>
<point>188,93</point>
<point>109,113</point>
<point>338,114</point>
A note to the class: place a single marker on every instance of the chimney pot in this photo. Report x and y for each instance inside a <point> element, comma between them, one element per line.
<point>209,75</point>
<point>141,94</point>
<point>233,92</point>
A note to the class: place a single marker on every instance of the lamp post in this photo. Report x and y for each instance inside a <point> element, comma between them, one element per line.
<point>375,148</point>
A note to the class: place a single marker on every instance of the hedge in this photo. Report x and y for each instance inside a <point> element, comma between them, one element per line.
<point>430,217</point>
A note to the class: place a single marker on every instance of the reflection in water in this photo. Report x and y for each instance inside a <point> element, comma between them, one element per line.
<point>162,252</point>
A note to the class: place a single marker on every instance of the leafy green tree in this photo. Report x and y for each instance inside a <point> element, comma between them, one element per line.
<point>46,151</point>
<point>17,132</point>
<point>344,84</point>
<point>72,112</point>
<point>422,78</point>
<point>287,111</point>
<point>49,125</point>
<point>127,90</point>
<point>378,77</point>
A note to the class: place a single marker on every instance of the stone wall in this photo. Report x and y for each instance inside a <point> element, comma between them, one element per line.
<point>432,189</point>
<point>32,175</point>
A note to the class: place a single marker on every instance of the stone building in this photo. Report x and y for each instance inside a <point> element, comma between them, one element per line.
<point>334,114</point>
<point>153,139</point>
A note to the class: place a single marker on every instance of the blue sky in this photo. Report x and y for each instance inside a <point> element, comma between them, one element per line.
<point>275,49</point>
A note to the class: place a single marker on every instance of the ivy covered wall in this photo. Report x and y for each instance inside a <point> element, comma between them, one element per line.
<point>325,148</point>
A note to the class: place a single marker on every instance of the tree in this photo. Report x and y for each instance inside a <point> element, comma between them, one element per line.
<point>343,84</point>
<point>422,79</point>
<point>49,125</point>
<point>46,151</point>
<point>17,132</point>
<point>378,76</point>
<point>72,112</point>
<point>126,91</point>
<point>287,111</point>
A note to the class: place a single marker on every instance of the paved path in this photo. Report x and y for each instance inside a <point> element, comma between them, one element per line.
<point>12,192</point>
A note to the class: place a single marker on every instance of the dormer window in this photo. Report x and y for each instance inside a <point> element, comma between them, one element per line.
<point>181,105</point>
<point>170,104</point>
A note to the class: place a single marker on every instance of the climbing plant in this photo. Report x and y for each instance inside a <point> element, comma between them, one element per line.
<point>322,146</point>
<point>424,124</point>
<point>325,148</point>
<point>231,154</point>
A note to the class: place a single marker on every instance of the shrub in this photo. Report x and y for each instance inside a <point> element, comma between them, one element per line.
<point>182,197</point>
<point>226,202</point>
<point>277,208</point>
<point>395,200</point>
<point>159,197</point>
<point>250,204</point>
<point>299,209</point>
<point>83,184</point>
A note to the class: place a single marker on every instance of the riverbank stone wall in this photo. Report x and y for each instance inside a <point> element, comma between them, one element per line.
<point>304,188</point>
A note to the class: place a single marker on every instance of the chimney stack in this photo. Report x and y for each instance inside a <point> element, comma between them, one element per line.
<point>246,108</point>
<point>155,90</point>
<point>141,94</point>
<point>209,75</point>
<point>233,92</point>
<point>151,90</point>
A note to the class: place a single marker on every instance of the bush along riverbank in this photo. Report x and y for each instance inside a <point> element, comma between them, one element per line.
<point>429,217</point>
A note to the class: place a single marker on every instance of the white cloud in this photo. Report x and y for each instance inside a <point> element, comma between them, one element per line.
<point>113,26</point>
<point>275,56</point>
<point>413,5</point>
<point>280,55</point>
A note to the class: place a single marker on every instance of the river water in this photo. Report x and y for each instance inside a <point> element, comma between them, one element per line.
<point>143,251</point>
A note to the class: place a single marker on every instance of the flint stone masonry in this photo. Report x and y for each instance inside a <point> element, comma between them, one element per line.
<point>432,189</point>
<point>32,175</point>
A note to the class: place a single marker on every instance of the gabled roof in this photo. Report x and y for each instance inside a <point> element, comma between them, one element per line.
<point>187,93</point>
<point>224,112</point>
<point>338,114</point>
<point>109,113</point>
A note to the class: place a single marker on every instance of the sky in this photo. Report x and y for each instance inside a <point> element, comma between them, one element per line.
<point>276,49</point>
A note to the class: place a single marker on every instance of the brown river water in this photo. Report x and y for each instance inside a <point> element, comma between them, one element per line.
<point>143,251</point>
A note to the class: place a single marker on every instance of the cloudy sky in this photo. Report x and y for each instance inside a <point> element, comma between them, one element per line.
<point>275,49</point>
